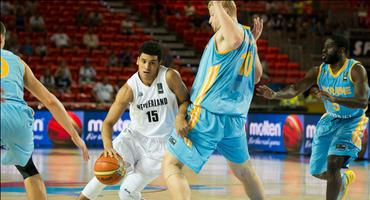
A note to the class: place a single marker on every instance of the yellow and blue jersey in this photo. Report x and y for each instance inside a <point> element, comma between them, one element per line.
<point>225,80</point>
<point>16,116</point>
<point>12,78</point>
<point>339,84</point>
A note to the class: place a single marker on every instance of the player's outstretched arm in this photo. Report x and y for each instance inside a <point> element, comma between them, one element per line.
<point>54,106</point>
<point>360,81</point>
<point>178,87</point>
<point>123,98</point>
<point>229,29</point>
<point>291,90</point>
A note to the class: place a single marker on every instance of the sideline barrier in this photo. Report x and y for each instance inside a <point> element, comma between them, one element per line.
<point>292,133</point>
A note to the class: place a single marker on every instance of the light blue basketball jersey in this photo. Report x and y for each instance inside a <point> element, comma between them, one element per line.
<point>12,78</point>
<point>224,83</point>
<point>339,85</point>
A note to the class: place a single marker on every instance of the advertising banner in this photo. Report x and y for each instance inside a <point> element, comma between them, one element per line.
<point>310,122</point>
<point>47,132</point>
<point>93,124</point>
<point>275,132</point>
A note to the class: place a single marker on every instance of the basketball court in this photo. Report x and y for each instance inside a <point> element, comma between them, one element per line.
<point>285,177</point>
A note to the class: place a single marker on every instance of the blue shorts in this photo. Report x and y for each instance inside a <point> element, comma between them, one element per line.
<point>336,136</point>
<point>16,133</point>
<point>209,132</point>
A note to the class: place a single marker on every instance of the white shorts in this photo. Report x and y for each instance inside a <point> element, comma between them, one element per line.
<point>144,156</point>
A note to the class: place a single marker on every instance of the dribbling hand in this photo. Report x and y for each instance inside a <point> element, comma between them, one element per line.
<point>266,92</point>
<point>110,152</point>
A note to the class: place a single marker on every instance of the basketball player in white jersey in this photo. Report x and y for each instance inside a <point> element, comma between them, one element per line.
<point>154,94</point>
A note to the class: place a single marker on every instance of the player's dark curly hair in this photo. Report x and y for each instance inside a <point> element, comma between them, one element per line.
<point>340,41</point>
<point>152,48</point>
<point>2,28</point>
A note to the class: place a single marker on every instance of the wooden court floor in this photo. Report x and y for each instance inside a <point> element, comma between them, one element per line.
<point>284,178</point>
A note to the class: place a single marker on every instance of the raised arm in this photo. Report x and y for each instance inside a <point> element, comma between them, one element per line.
<point>178,87</point>
<point>230,31</point>
<point>360,82</point>
<point>123,99</point>
<point>291,90</point>
<point>55,107</point>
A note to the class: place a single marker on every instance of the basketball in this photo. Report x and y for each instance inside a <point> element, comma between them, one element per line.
<point>292,131</point>
<point>109,170</point>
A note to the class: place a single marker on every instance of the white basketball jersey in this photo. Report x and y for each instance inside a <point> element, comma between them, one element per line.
<point>154,107</point>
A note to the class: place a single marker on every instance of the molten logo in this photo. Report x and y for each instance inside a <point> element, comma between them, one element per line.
<point>95,125</point>
<point>38,125</point>
<point>265,129</point>
<point>310,131</point>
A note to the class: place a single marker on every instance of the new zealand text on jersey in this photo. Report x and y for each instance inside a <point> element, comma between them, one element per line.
<point>152,103</point>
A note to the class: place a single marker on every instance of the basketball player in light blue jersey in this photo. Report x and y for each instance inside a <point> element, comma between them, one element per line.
<point>17,119</point>
<point>344,88</point>
<point>220,100</point>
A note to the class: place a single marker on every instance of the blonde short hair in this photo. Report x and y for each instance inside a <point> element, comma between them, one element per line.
<point>229,7</point>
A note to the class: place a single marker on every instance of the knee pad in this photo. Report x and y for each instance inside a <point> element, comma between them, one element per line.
<point>128,195</point>
<point>28,170</point>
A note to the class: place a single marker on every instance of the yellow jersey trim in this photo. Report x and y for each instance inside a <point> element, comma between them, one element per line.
<point>319,75</point>
<point>350,70</point>
<point>338,72</point>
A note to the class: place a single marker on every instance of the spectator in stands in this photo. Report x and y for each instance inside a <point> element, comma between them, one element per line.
<point>125,57</point>
<point>87,73</point>
<point>47,79</point>
<point>90,40</point>
<point>7,8</point>
<point>127,26</point>
<point>63,77</point>
<point>19,18</point>
<point>112,60</point>
<point>94,19</point>
<point>60,38</point>
<point>80,17</point>
<point>156,11</point>
<point>103,91</point>
<point>167,57</point>
<point>189,9</point>
<point>26,48</point>
<point>12,42</point>
<point>41,49</point>
<point>118,86</point>
<point>36,23</point>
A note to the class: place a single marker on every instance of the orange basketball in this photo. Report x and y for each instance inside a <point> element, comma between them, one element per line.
<point>109,170</point>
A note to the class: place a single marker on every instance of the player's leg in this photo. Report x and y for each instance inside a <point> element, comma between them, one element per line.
<point>175,179</point>
<point>35,187</point>
<point>92,190</point>
<point>192,151</point>
<point>125,147</point>
<point>247,175</point>
<point>17,138</point>
<point>320,147</point>
<point>146,170</point>
<point>343,150</point>
<point>333,176</point>
<point>235,149</point>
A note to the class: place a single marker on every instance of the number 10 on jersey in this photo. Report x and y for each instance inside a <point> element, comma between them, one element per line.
<point>152,116</point>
